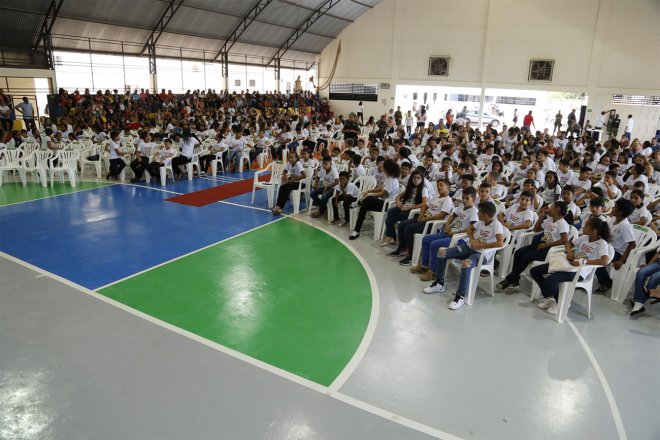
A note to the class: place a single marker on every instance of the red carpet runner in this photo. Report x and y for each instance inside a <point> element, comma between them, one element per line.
<point>217,193</point>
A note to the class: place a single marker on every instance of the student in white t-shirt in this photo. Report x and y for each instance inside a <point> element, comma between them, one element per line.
<point>375,199</point>
<point>143,153</point>
<point>518,216</point>
<point>589,249</point>
<point>486,234</point>
<point>564,172</point>
<point>414,196</point>
<point>623,241</point>
<point>555,233</point>
<point>641,215</point>
<point>293,173</point>
<point>551,191</point>
<point>345,193</point>
<point>463,216</point>
<point>437,207</point>
<point>328,178</point>
<point>117,164</point>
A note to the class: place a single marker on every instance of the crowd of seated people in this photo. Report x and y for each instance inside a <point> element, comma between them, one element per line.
<point>479,182</point>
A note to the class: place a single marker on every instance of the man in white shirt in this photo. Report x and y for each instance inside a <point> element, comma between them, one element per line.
<point>629,127</point>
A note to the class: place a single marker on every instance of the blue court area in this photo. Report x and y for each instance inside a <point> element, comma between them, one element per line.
<point>102,235</point>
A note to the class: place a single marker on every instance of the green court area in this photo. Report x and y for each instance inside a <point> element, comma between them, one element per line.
<point>16,192</point>
<point>286,294</point>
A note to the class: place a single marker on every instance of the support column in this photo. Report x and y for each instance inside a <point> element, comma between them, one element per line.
<point>278,73</point>
<point>153,76</point>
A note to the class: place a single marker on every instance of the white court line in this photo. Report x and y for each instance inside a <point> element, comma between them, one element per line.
<point>357,357</point>
<point>219,201</point>
<point>186,255</point>
<point>618,421</point>
<point>60,195</point>
<point>409,423</point>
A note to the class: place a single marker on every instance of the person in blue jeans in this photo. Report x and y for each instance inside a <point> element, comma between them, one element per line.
<point>457,223</point>
<point>591,249</point>
<point>642,293</point>
<point>486,234</point>
<point>413,197</point>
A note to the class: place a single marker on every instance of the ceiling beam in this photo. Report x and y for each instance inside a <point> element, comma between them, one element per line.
<point>362,4</point>
<point>288,2</point>
<point>318,13</point>
<point>157,31</point>
<point>241,27</point>
<point>49,21</point>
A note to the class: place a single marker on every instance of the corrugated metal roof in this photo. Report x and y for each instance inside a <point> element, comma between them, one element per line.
<point>198,25</point>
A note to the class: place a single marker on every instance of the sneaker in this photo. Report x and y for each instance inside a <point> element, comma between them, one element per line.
<point>202,173</point>
<point>546,303</point>
<point>435,287</point>
<point>552,309</point>
<point>397,253</point>
<point>333,222</point>
<point>638,309</point>
<point>427,276</point>
<point>512,287</point>
<point>344,223</point>
<point>405,262</point>
<point>603,288</point>
<point>502,284</point>
<point>355,205</point>
<point>457,303</point>
<point>484,273</point>
<point>353,235</point>
<point>316,214</point>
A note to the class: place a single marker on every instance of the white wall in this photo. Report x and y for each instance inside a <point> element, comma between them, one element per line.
<point>600,47</point>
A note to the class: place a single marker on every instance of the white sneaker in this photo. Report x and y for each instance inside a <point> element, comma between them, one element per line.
<point>436,287</point>
<point>457,303</point>
<point>355,205</point>
<point>552,309</point>
<point>547,303</point>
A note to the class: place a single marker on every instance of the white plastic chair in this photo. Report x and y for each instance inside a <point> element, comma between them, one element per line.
<point>245,156</point>
<point>519,238</point>
<point>303,190</point>
<point>365,183</point>
<point>28,148</point>
<point>67,162</point>
<point>622,279</point>
<point>94,150</point>
<point>194,162</point>
<point>10,160</point>
<point>430,228</point>
<point>167,167</point>
<point>567,289</point>
<point>271,186</point>
<point>37,164</point>
<point>482,266</point>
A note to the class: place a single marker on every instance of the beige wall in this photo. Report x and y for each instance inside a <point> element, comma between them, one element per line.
<point>600,47</point>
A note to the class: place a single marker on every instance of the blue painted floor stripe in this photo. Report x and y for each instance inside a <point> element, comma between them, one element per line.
<point>99,236</point>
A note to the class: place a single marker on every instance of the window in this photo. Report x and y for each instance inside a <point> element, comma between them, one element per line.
<point>635,100</point>
<point>237,83</point>
<point>354,92</point>
<point>252,83</point>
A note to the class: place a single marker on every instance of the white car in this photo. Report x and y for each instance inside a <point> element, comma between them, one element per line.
<point>473,116</point>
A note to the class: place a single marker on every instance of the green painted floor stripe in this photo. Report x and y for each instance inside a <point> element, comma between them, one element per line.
<point>286,294</point>
<point>16,192</point>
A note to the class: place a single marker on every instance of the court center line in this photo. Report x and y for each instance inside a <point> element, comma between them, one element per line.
<point>59,195</point>
<point>616,415</point>
<point>357,357</point>
<point>186,255</point>
<point>367,407</point>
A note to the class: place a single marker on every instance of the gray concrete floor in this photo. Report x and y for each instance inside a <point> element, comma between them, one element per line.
<point>72,366</point>
<point>502,368</point>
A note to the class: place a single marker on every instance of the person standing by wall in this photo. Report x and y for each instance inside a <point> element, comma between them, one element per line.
<point>528,121</point>
<point>558,118</point>
<point>360,112</point>
<point>629,127</point>
<point>27,110</point>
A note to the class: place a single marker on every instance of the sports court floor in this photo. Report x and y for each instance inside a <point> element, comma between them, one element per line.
<point>125,315</point>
